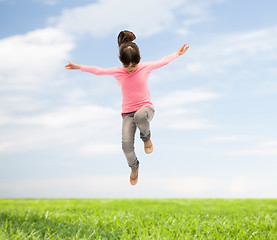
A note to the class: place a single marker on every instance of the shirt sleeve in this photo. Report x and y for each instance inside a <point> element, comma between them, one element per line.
<point>98,71</point>
<point>162,62</point>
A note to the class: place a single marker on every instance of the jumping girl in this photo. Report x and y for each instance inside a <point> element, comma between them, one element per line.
<point>137,108</point>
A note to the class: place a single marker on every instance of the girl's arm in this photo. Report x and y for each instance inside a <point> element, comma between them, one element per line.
<point>166,60</point>
<point>91,69</point>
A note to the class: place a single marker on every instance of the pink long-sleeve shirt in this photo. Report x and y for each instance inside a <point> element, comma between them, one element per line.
<point>134,86</point>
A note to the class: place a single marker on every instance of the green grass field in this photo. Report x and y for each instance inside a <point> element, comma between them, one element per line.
<point>138,219</point>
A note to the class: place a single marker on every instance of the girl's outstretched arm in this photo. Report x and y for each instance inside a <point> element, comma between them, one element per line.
<point>91,69</point>
<point>166,60</point>
<point>74,66</point>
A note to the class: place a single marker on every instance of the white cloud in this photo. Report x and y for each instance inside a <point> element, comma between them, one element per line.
<point>90,186</point>
<point>177,110</point>
<point>23,140</point>
<point>33,57</point>
<point>264,149</point>
<point>114,186</point>
<point>18,103</point>
<point>143,17</point>
<point>47,2</point>
<point>268,144</point>
<point>65,116</point>
<point>254,146</point>
<point>43,131</point>
<point>245,187</point>
<point>272,152</point>
<point>181,97</point>
<point>180,120</point>
<point>94,149</point>
<point>70,116</point>
<point>76,95</point>
<point>28,63</point>
<point>236,187</point>
<point>233,138</point>
<point>229,50</point>
<point>195,12</point>
<point>187,123</point>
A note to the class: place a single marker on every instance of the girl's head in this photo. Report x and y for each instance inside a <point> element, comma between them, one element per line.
<point>129,53</point>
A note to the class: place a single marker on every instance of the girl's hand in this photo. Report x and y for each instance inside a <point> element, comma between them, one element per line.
<point>71,65</point>
<point>182,50</point>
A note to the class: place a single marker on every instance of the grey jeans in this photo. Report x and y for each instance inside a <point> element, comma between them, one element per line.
<point>131,121</point>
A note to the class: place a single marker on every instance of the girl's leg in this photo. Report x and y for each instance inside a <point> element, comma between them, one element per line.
<point>128,139</point>
<point>142,120</point>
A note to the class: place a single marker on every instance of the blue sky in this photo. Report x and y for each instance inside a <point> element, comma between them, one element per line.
<point>214,130</point>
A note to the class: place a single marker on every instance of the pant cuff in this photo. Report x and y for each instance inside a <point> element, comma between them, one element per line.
<point>135,166</point>
<point>147,138</point>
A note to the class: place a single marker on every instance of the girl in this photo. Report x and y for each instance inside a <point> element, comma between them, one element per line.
<point>137,108</point>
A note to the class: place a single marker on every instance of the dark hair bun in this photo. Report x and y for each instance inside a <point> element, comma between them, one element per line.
<point>125,36</point>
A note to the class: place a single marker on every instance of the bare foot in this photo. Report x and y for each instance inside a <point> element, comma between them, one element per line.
<point>148,147</point>
<point>134,177</point>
